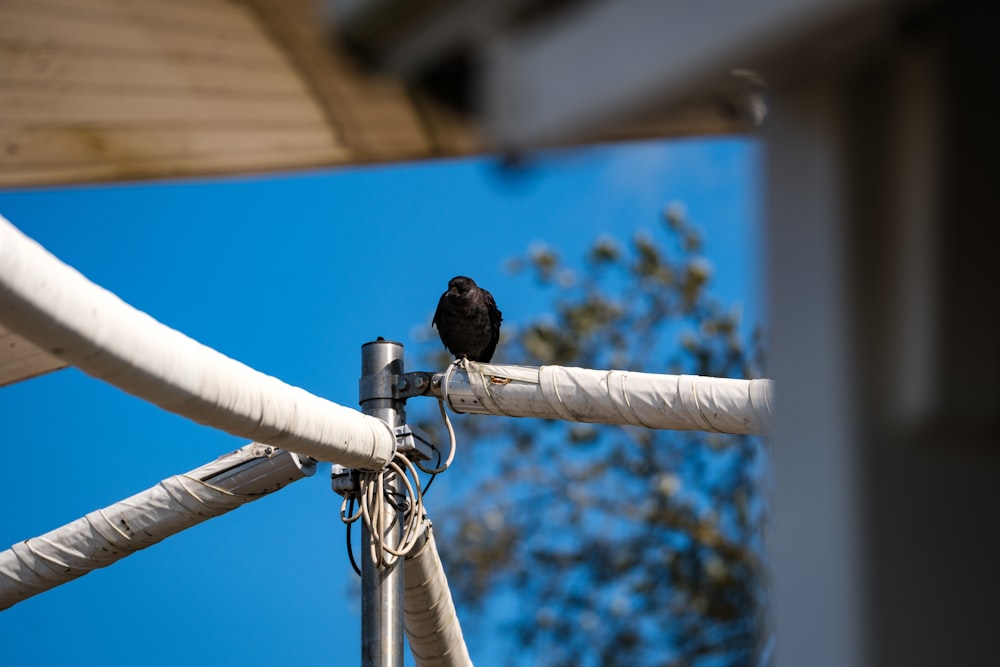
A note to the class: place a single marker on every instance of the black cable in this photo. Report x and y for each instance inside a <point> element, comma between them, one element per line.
<point>350,547</point>
<point>427,486</point>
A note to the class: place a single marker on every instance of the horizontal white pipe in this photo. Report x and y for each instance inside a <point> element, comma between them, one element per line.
<point>675,402</point>
<point>59,310</point>
<point>429,617</point>
<point>179,502</point>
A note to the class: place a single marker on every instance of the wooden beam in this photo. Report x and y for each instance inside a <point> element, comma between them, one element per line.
<point>20,359</point>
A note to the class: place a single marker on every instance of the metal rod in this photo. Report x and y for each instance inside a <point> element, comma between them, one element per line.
<point>382,587</point>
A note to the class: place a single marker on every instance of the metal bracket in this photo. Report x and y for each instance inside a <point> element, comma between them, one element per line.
<point>414,443</point>
<point>410,441</point>
<point>345,481</point>
<point>417,383</point>
<point>395,387</point>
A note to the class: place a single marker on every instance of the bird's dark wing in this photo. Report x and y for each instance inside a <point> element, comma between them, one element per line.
<point>496,317</point>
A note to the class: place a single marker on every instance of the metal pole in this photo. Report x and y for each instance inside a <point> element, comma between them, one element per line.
<point>381,587</point>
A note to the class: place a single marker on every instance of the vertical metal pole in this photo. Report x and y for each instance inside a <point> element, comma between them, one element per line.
<point>382,588</point>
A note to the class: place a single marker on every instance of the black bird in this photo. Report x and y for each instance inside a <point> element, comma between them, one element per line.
<point>468,320</point>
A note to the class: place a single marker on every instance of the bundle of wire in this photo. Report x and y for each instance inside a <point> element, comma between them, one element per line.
<point>407,497</point>
<point>383,497</point>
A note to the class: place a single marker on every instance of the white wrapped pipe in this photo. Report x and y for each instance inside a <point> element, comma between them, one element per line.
<point>179,502</point>
<point>429,616</point>
<point>676,402</point>
<point>59,310</point>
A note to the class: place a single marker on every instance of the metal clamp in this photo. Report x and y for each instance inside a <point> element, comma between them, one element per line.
<point>410,441</point>
<point>345,481</point>
<point>417,383</point>
<point>414,443</point>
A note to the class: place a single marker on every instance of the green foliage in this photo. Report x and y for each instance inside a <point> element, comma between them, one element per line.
<point>622,546</point>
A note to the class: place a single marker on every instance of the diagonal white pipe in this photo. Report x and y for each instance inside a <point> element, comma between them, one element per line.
<point>105,536</point>
<point>429,616</point>
<point>59,310</point>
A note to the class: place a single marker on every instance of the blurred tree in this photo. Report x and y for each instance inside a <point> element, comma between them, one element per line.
<point>621,546</point>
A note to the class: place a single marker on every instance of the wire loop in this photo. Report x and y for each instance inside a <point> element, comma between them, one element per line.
<point>375,505</point>
<point>408,500</point>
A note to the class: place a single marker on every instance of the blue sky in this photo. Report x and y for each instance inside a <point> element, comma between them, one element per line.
<point>291,274</point>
